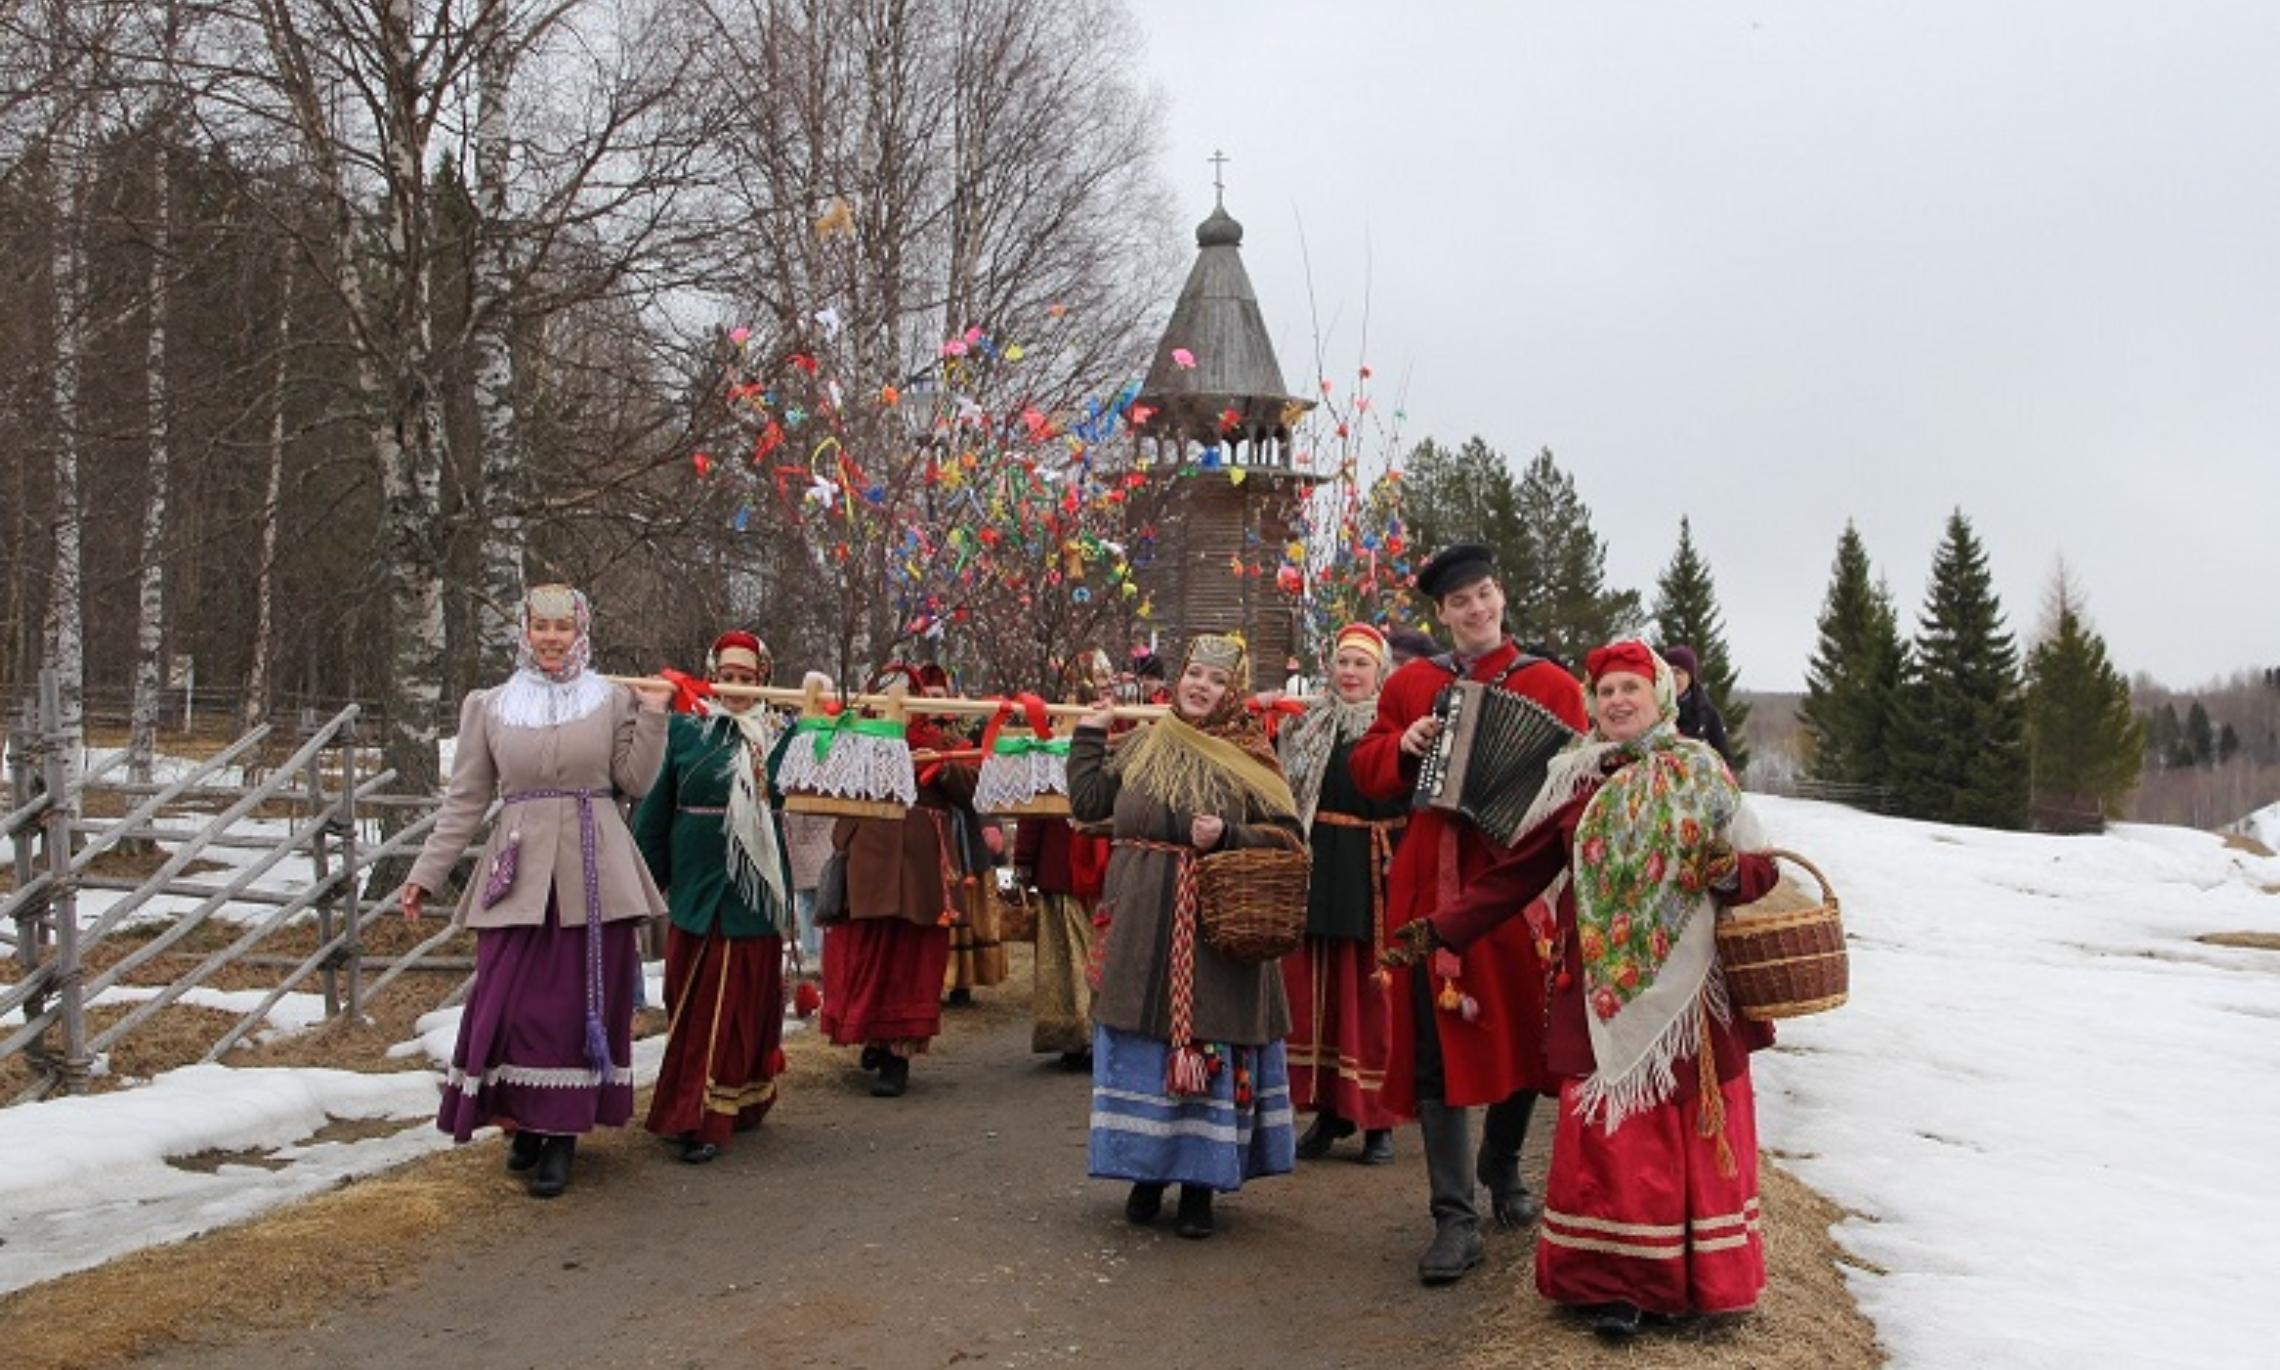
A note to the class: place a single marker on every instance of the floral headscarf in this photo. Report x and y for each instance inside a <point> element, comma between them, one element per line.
<point>535,697</point>
<point>1645,924</point>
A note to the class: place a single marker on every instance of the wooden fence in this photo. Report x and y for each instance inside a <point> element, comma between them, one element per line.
<point>56,844</point>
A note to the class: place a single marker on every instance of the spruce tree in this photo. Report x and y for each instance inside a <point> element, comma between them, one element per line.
<point>1565,607</point>
<point>1960,753</point>
<point>1465,494</point>
<point>2200,740</point>
<point>2228,744</point>
<point>2088,748</point>
<point>1686,611</point>
<point>1852,682</point>
<point>2161,733</point>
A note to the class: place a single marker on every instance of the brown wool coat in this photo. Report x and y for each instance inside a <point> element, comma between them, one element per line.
<point>895,865</point>
<point>617,746</point>
<point>1235,1002</point>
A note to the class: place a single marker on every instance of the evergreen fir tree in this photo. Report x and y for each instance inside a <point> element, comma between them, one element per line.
<point>2088,748</point>
<point>1565,607</point>
<point>1852,681</point>
<point>1465,494</point>
<point>2162,730</point>
<point>2228,744</point>
<point>2200,741</point>
<point>1960,753</point>
<point>1686,611</point>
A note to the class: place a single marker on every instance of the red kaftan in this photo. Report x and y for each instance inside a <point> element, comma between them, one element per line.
<point>1501,1051</point>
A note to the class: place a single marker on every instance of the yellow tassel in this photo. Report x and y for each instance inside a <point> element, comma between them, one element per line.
<point>1449,1000</point>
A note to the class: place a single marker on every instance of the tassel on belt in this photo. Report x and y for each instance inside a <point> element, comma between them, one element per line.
<point>597,1037</point>
<point>1188,1069</point>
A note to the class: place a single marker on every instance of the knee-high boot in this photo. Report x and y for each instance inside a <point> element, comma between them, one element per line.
<point>1502,1133</point>
<point>1456,1246</point>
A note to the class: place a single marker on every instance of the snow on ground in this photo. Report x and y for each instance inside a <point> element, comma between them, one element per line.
<point>2049,1108</point>
<point>2263,825</point>
<point>296,1011</point>
<point>84,1180</point>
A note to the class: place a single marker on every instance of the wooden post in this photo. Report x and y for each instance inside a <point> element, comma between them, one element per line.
<point>25,760</point>
<point>320,861</point>
<point>64,902</point>
<point>353,952</point>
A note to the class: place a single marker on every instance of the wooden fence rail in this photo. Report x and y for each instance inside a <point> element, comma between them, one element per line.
<point>54,843</point>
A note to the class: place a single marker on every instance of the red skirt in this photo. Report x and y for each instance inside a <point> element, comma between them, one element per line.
<point>1341,1031</point>
<point>882,981</point>
<point>724,1047</point>
<point>1643,1217</point>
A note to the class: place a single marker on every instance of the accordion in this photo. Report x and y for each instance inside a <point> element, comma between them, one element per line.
<point>1489,760</point>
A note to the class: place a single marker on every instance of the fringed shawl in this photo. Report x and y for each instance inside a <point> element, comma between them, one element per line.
<point>1308,744</point>
<point>1226,766</point>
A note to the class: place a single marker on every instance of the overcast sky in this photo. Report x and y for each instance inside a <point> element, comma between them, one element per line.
<point>1774,265</point>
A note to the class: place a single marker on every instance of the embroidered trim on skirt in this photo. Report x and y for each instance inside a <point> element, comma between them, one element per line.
<point>521,1054</point>
<point>1141,1133</point>
<point>1643,1216</point>
<point>724,1047</point>
<point>1060,1002</point>
<point>1341,1031</point>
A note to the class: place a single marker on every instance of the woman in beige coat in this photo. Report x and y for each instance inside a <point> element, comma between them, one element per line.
<point>546,1041</point>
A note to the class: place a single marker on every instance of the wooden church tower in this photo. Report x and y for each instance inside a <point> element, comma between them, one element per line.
<point>1216,400</point>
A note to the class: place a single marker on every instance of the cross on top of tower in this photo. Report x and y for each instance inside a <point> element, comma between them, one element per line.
<point>1218,181</point>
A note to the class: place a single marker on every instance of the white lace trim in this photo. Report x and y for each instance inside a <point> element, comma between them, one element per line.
<point>1009,780</point>
<point>854,767</point>
<point>530,700</point>
<point>537,1077</point>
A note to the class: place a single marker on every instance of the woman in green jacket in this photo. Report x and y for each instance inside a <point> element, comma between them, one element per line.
<point>713,844</point>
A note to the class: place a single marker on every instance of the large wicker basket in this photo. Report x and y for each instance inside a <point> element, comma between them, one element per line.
<point>1252,901</point>
<point>1785,961</point>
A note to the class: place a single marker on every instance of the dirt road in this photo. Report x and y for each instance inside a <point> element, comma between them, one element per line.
<point>949,1227</point>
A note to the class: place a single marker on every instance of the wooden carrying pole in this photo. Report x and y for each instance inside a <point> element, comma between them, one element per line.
<point>909,704</point>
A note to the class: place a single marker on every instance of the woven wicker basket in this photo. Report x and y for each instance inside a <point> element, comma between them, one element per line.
<point>1252,901</point>
<point>1785,963</point>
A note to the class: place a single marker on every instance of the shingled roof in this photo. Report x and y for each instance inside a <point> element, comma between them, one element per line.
<point>1217,322</point>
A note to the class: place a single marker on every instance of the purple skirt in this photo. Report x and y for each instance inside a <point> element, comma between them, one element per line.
<point>521,1056</point>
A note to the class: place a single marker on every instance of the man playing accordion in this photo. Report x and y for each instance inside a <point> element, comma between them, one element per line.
<point>1467,1029</point>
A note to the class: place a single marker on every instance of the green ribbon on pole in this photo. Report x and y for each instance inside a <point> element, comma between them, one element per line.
<point>1015,744</point>
<point>828,729</point>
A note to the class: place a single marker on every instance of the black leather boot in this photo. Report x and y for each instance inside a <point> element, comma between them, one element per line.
<point>1195,1212</point>
<point>894,1078</point>
<point>1377,1146</point>
<point>1456,1246</point>
<point>1616,1321</point>
<point>1144,1202</point>
<point>552,1173</point>
<point>873,1057</point>
<point>522,1150</point>
<point>1327,1130</point>
<point>1503,1132</point>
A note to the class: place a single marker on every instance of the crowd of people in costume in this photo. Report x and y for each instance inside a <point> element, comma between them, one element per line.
<point>1442,972</point>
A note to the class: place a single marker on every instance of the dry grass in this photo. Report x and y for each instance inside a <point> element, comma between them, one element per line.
<point>2240,841</point>
<point>1806,1321</point>
<point>2254,941</point>
<point>274,1273</point>
<point>283,1269</point>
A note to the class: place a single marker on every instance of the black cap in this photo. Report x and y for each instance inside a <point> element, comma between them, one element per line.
<point>1456,567</point>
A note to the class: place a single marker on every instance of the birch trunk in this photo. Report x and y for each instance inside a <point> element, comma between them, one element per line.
<point>504,478</point>
<point>408,440</point>
<point>255,705</point>
<point>64,635</point>
<point>150,609</point>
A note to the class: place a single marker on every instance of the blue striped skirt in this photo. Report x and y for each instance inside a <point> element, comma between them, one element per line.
<point>1141,1133</point>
